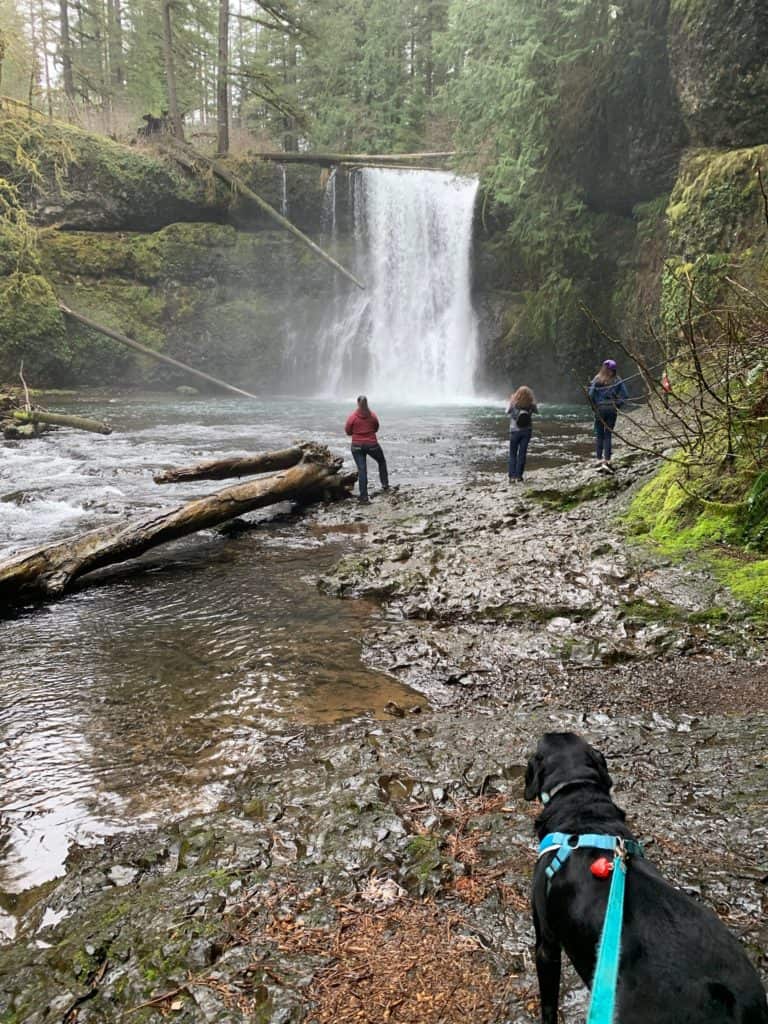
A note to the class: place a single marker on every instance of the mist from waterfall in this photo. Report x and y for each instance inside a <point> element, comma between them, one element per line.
<point>411,336</point>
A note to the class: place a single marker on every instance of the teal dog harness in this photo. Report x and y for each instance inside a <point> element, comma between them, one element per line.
<point>602,1001</point>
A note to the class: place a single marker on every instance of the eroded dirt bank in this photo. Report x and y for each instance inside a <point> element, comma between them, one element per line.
<point>303,898</point>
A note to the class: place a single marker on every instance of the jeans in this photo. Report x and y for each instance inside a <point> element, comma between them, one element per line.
<point>605,421</point>
<point>518,449</point>
<point>360,453</point>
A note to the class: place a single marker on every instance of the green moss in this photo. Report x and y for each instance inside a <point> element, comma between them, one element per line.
<point>662,611</point>
<point>31,329</point>
<point>716,203</point>
<point>666,512</point>
<point>90,255</point>
<point>749,582</point>
<point>423,856</point>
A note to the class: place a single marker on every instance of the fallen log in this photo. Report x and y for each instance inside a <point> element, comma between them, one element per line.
<point>146,351</point>
<point>189,158</point>
<point>361,159</point>
<point>50,571</point>
<point>221,469</point>
<point>61,420</point>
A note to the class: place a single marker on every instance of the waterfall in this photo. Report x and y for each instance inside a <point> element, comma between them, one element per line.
<point>283,190</point>
<point>328,215</point>
<point>412,335</point>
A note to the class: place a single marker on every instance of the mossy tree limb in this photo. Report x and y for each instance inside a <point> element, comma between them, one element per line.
<point>145,350</point>
<point>190,158</point>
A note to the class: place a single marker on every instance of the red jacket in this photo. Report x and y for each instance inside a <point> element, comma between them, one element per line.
<point>362,428</point>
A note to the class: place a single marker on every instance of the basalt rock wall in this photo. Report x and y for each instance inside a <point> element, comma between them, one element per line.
<point>177,261</point>
<point>665,165</point>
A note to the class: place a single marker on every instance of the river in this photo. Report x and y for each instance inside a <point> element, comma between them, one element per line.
<point>135,698</point>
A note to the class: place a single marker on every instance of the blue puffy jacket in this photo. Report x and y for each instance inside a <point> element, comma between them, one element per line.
<point>608,396</point>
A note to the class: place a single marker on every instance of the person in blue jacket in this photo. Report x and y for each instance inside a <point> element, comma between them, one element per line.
<point>607,393</point>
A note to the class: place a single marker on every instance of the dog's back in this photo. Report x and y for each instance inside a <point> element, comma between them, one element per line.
<point>678,964</point>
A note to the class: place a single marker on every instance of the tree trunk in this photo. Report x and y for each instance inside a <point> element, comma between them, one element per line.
<point>62,420</point>
<point>33,41</point>
<point>290,142</point>
<point>66,51</point>
<point>356,159</point>
<point>222,80</point>
<point>50,571</point>
<point>189,157</point>
<point>44,47</point>
<point>221,469</point>
<point>138,347</point>
<point>170,71</point>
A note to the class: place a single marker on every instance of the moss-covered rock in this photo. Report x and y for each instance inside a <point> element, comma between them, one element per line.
<point>73,178</point>
<point>722,517</point>
<point>716,205</point>
<point>204,293</point>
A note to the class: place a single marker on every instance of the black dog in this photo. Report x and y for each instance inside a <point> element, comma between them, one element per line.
<point>679,964</point>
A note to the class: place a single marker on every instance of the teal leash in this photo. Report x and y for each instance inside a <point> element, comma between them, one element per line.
<point>602,1003</point>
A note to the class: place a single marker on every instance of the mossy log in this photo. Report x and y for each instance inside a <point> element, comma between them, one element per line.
<point>357,159</point>
<point>61,420</point>
<point>50,571</point>
<point>221,469</point>
<point>189,157</point>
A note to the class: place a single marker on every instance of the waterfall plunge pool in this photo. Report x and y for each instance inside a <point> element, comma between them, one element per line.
<point>136,698</point>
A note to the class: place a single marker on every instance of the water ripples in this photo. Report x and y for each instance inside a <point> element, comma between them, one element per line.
<point>137,697</point>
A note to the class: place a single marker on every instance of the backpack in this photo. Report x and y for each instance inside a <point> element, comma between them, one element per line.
<point>523,420</point>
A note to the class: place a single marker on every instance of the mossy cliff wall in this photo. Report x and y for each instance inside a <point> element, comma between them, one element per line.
<point>173,260</point>
<point>666,172</point>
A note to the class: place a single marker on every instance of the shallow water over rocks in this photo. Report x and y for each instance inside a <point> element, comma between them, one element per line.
<point>516,611</point>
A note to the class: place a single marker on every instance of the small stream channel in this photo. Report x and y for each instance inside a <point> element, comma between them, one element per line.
<point>133,700</point>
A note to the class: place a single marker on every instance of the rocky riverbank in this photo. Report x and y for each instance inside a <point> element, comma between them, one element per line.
<point>349,865</point>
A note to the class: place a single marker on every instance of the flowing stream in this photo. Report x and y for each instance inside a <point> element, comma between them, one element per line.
<point>412,335</point>
<point>137,697</point>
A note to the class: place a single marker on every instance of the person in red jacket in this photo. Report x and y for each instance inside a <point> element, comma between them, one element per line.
<point>361,426</point>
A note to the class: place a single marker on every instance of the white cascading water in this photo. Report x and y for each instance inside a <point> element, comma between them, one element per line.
<point>412,335</point>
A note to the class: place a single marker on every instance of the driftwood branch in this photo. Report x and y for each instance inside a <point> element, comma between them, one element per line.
<point>189,158</point>
<point>52,570</point>
<point>146,351</point>
<point>61,420</point>
<point>221,469</point>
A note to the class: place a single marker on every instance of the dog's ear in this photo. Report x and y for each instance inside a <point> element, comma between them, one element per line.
<point>602,768</point>
<point>533,778</point>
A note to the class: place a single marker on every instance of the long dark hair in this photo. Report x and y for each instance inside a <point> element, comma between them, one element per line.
<point>362,406</point>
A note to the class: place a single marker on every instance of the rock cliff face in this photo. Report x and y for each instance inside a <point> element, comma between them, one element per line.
<point>132,241</point>
<point>719,62</point>
<point>665,164</point>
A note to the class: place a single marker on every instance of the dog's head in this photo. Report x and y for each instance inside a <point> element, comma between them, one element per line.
<point>562,758</point>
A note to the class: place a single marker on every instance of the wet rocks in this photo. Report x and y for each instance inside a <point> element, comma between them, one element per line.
<point>433,809</point>
<point>546,564</point>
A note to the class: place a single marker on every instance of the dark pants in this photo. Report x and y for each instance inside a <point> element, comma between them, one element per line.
<point>360,453</point>
<point>605,421</point>
<point>518,449</point>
